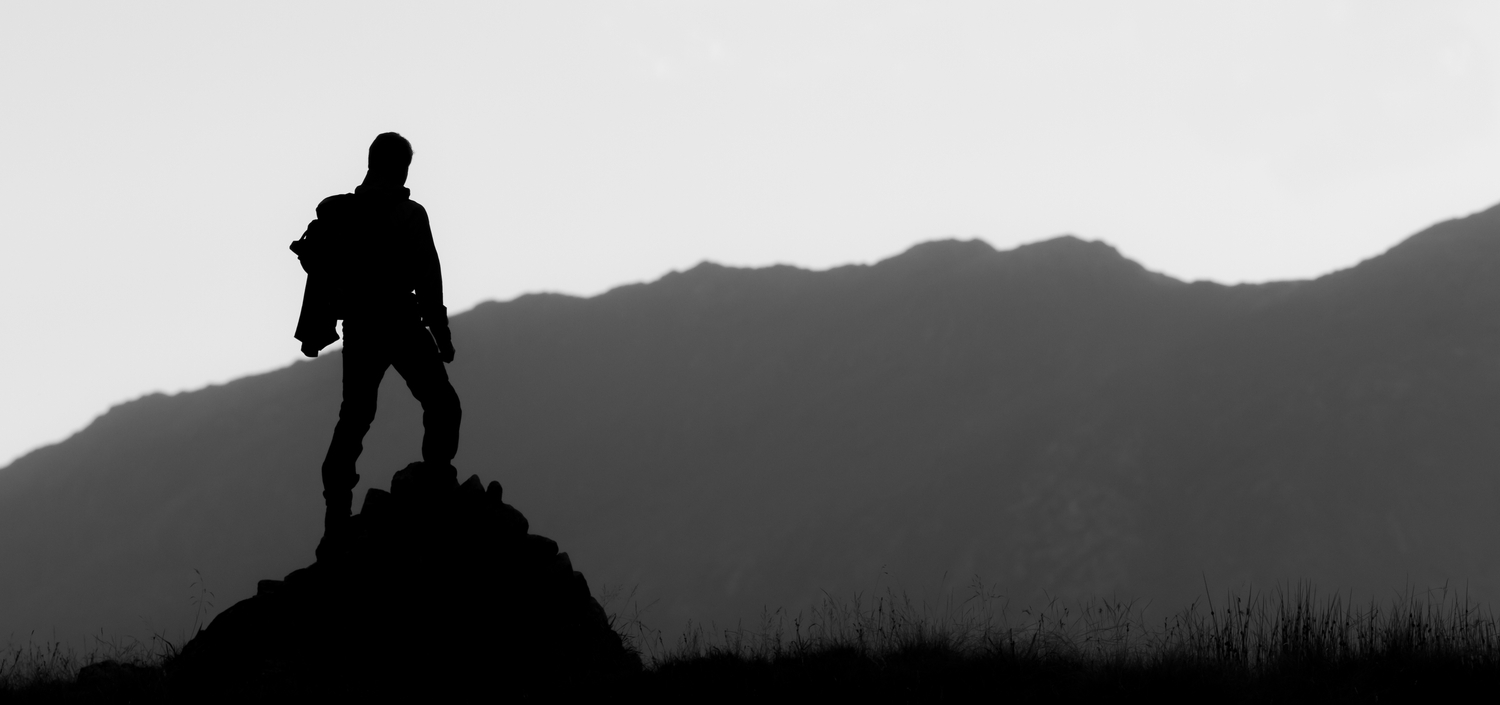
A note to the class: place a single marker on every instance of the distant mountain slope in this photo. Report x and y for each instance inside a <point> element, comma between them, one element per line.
<point>1052,417</point>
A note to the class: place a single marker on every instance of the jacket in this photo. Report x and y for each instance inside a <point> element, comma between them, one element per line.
<point>369,257</point>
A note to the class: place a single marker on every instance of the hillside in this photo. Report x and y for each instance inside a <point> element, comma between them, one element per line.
<point>1051,418</point>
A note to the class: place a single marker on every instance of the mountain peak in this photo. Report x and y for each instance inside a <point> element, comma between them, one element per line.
<point>1063,250</point>
<point>1071,246</point>
<point>945,250</point>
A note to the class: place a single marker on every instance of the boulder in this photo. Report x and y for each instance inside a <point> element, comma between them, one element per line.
<point>434,582</point>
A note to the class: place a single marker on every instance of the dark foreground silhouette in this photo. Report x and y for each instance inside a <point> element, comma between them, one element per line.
<point>1293,647</point>
<point>436,586</point>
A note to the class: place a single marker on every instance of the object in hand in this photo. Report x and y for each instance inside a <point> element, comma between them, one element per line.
<point>444,338</point>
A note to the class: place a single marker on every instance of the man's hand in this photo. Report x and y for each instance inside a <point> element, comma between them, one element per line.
<point>444,338</point>
<point>309,350</point>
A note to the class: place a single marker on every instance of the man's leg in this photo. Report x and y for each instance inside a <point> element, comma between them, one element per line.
<point>427,379</point>
<point>363,369</point>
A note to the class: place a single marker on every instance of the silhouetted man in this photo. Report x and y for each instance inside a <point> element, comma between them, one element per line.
<point>371,262</point>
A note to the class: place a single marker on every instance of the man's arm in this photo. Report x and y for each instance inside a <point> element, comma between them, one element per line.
<point>430,286</point>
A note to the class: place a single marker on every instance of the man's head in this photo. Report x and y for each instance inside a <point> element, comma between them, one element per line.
<point>390,157</point>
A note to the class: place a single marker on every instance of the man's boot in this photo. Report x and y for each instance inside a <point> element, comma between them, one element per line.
<point>336,520</point>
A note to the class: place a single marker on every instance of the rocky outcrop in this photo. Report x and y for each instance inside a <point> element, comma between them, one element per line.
<point>432,583</point>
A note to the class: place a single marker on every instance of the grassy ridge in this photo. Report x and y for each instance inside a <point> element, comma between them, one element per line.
<point>1288,644</point>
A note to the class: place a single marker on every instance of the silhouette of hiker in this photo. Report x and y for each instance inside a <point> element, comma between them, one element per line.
<point>370,261</point>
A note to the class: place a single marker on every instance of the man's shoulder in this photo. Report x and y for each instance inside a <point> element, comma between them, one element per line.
<point>417,215</point>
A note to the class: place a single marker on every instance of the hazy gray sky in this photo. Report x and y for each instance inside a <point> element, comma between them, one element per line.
<point>158,157</point>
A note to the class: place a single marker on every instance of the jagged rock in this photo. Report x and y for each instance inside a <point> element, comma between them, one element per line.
<point>376,501</point>
<point>508,519</point>
<point>431,578</point>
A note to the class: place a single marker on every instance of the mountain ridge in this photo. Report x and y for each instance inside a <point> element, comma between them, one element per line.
<point>1053,417</point>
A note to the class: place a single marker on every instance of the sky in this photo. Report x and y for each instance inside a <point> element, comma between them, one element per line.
<point>157,158</point>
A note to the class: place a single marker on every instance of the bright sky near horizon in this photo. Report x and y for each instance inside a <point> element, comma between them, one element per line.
<point>158,157</point>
